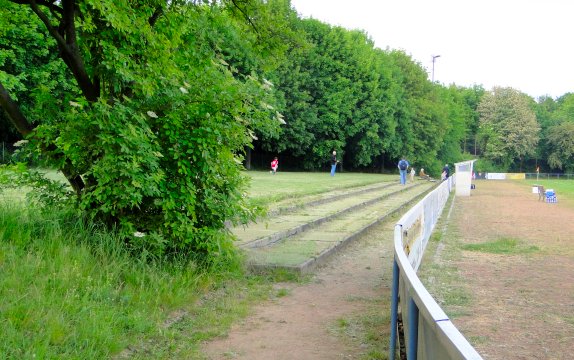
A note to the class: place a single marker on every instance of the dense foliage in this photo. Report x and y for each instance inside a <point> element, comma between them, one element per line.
<point>508,127</point>
<point>148,107</point>
<point>151,121</point>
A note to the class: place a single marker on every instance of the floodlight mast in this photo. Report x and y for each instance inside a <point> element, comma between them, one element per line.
<point>433,60</point>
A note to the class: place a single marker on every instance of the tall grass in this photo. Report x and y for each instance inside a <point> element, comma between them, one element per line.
<point>70,290</point>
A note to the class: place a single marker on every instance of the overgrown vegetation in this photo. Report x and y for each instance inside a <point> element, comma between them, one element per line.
<point>64,276</point>
<point>143,114</point>
<point>70,290</point>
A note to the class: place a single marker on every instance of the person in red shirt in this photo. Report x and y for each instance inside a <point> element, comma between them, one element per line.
<point>274,165</point>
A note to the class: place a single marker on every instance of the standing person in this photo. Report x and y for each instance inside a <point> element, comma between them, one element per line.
<point>333,163</point>
<point>412,174</point>
<point>537,172</point>
<point>445,172</point>
<point>274,165</point>
<point>403,165</point>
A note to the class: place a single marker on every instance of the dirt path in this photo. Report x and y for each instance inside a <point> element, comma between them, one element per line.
<point>522,304</point>
<point>302,324</point>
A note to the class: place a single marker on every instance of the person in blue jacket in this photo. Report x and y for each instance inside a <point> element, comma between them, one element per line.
<point>403,166</point>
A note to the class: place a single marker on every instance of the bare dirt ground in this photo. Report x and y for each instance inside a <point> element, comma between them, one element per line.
<point>522,305</point>
<point>302,325</point>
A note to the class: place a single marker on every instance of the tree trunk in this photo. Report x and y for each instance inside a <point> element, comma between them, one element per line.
<point>13,111</point>
<point>248,159</point>
<point>23,126</point>
<point>65,36</point>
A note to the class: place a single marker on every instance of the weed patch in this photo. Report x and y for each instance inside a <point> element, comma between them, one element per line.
<point>371,329</point>
<point>506,246</point>
<point>438,271</point>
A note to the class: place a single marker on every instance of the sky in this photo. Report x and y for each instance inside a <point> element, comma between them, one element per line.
<point>524,44</point>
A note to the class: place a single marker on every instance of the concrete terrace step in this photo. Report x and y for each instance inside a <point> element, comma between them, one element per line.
<point>277,227</point>
<point>292,204</point>
<point>305,250</point>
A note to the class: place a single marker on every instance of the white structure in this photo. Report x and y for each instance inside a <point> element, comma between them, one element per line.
<point>463,177</point>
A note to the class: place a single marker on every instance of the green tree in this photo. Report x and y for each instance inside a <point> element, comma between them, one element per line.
<point>564,110</point>
<point>560,140</point>
<point>508,128</point>
<point>458,116</point>
<point>151,129</point>
<point>556,118</point>
<point>422,114</point>
<point>337,91</point>
<point>471,97</point>
<point>544,109</point>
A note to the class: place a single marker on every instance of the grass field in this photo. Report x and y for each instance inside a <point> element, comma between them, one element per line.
<point>266,188</point>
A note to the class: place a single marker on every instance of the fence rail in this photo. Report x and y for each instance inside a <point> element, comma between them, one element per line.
<point>548,176</point>
<point>428,332</point>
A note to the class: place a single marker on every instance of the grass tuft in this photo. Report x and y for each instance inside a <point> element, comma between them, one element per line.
<point>503,245</point>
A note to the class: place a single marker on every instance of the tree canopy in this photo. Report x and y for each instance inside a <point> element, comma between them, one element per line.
<point>149,120</point>
<point>148,107</point>
<point>508,127</point>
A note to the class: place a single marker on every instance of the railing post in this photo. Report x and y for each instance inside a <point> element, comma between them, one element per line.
<point>413,330</point>
<point>394,310</point>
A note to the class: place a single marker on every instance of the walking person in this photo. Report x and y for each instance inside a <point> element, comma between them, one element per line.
<point>333,163</point>
<point>274,165</point>
<point>403,165</point>
<point>413,174</point>
<point>445,172</point>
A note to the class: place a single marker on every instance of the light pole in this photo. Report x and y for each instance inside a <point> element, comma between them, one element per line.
<point>433,59</point>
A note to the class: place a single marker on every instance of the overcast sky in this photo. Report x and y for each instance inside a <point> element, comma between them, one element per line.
<point>524,44</point>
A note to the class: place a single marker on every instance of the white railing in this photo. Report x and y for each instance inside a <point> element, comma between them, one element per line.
<point>428,332</point>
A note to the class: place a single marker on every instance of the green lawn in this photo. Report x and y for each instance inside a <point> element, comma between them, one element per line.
<point>266,188</point>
